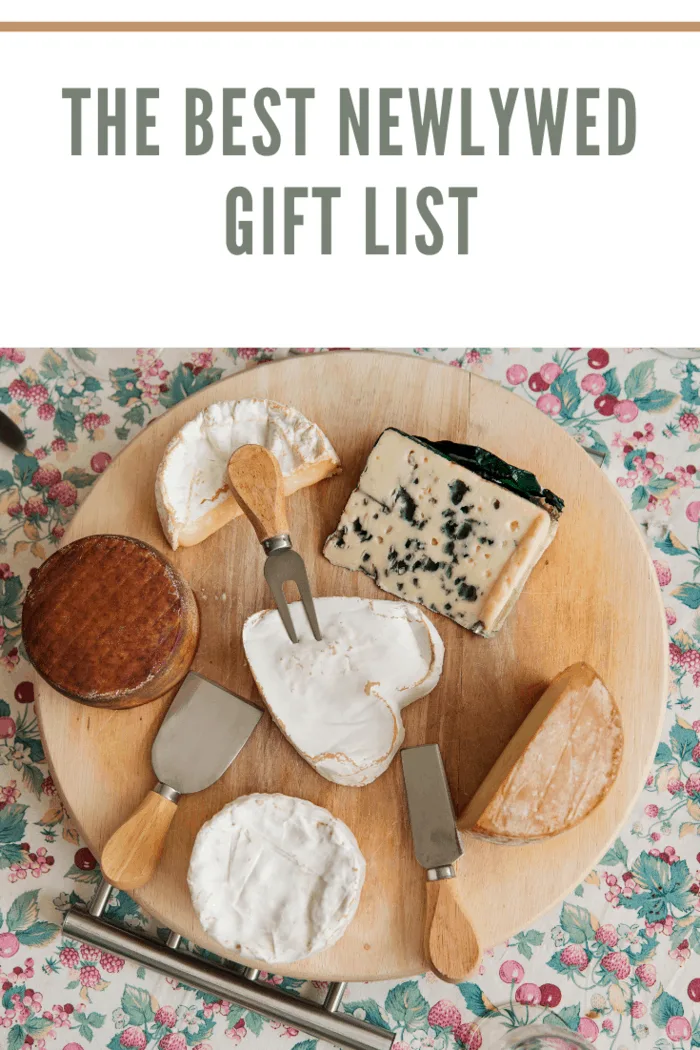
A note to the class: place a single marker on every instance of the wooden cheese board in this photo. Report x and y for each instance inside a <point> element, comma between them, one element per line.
<point>593,597</point>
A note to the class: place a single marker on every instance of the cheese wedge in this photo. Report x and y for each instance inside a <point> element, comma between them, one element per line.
<point>558,767</point>
<point>450,526</point>
<point>339,701</point>
<point>192,493</point>
<point>275,879</point>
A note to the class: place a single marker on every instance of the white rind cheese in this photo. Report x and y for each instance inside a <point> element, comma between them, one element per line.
<point>339,701</point>
<point>429,530</point>
<point>557,768</point>
<point>274,878</point>
<point>192,493</point>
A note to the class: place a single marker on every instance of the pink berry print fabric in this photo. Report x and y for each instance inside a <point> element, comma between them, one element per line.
<point>618,961</point>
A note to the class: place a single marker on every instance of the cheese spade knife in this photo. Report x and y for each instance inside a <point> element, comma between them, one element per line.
<point>450,940</point>
<point>256,481</point>
<point>203,731</point>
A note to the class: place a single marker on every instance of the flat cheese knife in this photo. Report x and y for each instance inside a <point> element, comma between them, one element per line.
<point>450,940</point>
<point>256,481</point>
<point>11,435</point>
<point>203,731</point>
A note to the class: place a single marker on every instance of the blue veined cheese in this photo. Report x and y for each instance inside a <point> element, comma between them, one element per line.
<point>430,530</point>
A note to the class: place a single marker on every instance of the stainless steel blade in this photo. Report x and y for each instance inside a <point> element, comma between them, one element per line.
<point>205,728</point>
<point>435,838</point>
<point>11,435</point>
<point>284,565</point>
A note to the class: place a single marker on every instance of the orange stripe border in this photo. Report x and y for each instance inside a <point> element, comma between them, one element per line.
<point>349,27</point>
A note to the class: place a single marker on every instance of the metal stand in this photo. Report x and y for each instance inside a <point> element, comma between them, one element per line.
<point>320,1021</point>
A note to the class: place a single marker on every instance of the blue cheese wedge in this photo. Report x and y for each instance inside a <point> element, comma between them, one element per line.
<point>449,526</point>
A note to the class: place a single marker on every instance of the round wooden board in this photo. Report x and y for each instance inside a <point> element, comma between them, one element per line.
<point>593,597</point>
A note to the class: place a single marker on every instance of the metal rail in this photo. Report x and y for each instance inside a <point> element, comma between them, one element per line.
<point>321,1021</point>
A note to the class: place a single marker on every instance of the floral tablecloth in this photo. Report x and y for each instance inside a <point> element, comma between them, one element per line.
<point>619,961</point>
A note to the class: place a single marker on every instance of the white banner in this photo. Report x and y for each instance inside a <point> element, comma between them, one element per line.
<point>534,248</point>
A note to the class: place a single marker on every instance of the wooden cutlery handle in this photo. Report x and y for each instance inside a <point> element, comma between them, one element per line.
<point>131,855</point>
<point>256,481</point>
<point>451,942</point>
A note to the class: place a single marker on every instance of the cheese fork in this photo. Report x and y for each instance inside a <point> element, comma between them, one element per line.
<point>255,479</point>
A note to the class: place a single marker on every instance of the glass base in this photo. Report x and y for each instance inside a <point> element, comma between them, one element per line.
<point>518,1027</point>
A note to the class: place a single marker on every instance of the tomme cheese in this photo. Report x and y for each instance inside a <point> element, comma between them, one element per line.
<point>109,622</point>
<point>339,701</point>
<point>192,493</point>
<point>559,765</point>
<point>275,879</point>
<point>450,526</point>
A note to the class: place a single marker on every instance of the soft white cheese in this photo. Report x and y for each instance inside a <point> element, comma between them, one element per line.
<point>275,879</point>
<point>192,493</point>
<point>339,701</point>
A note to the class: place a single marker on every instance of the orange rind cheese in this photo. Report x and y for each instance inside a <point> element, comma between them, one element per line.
<point>558,767</point>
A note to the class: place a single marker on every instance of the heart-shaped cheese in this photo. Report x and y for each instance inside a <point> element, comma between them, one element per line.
<point>339,701</point>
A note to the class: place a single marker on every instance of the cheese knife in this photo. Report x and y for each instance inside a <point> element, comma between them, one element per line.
<point>256,481</point>
<point>11,435</point>
<point>450,941</point>
<point>203,731</point>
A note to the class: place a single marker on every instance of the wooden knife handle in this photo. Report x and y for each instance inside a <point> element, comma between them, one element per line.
<point>451,943</point>
<point>131,855</point>
<point>256,481</point>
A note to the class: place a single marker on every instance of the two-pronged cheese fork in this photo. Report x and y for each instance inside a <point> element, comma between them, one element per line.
<point>256,482</point>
